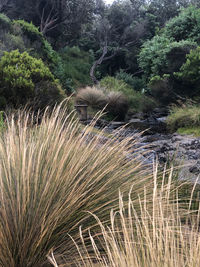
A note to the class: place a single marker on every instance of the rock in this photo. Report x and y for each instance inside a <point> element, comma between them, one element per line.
<point>150,125</point>
<point>195,168</point>
<point>160,112</point>
<point>116,124</point>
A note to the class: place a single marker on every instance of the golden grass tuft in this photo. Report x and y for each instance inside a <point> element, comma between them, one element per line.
<point>162,232</point>
<point>92,97</point>
<point>51,173</point>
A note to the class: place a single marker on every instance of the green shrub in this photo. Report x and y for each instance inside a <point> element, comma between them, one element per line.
<point>19,75</point>
<point>184,26</point>
<point>5,22</point>
<point>92,97</point>
<point>50,54</point>
<point>113,84</point>
<point>163,55</point>
<point>14,42</point>
<point>136,83</point>
<point>191,69</point>
<point>75,67</point>
<point>117,105</point>
<point>189,74</point>
<point>47,93</point>
<point>29,29</point>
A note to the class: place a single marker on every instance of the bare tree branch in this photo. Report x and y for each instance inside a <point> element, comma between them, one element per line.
<point>3,3</point>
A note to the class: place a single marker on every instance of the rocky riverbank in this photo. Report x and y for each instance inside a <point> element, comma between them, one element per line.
<point>157,143</point>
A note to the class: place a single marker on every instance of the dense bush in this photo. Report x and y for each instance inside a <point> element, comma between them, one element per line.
<point>135,82</point>
<point>29,29</point>
<point>5,22</point>
<point>163,58</point>
<point>71,66</point>
<point>185,26</point>
<point>19,75</point>
<point>188,76</point>
<point>163,55</point>
<point>76,66</point>
<point>191,69</point>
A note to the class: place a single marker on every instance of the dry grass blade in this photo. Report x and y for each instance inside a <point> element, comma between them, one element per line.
<point>49,177</point>
<point>155,235</point>
<point>92,97</point>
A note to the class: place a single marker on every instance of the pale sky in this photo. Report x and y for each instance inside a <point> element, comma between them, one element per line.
<point>109,1</point>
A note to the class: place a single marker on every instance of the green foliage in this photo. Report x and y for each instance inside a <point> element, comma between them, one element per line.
<point>162,55</point>
<point>113,84</point>
<point>189,73</point>
<point>50,53</point>
<point>185,26</point>
<point>75,67</point>
<point>14,42</point>
<point>29,29</point>
<point>5,22</point>
<point>55,63</point>
<point>195,130</point>
<point>136,83</point>
<point>19,75</point>
<point>191,69</point>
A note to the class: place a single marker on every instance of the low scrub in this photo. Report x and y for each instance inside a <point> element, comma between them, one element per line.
<point>51,175</point>
<point>184,116</point>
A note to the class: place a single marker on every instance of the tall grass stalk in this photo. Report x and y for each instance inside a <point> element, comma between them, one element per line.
<point>163,232</point>
<point>51,173</point>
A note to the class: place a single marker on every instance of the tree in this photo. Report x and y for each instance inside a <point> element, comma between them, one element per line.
<point>120,30</point>
<point>3,4</point>
<point>54,17</point>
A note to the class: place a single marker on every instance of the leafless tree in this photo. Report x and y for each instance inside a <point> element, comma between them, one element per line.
<point>3,3</point>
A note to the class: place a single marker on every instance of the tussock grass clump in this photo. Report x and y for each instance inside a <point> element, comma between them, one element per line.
<point>50,175</point>
<point>187,115</point>
<point>91,96</point>
<point>163,232</point>
<point>117,105</point>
